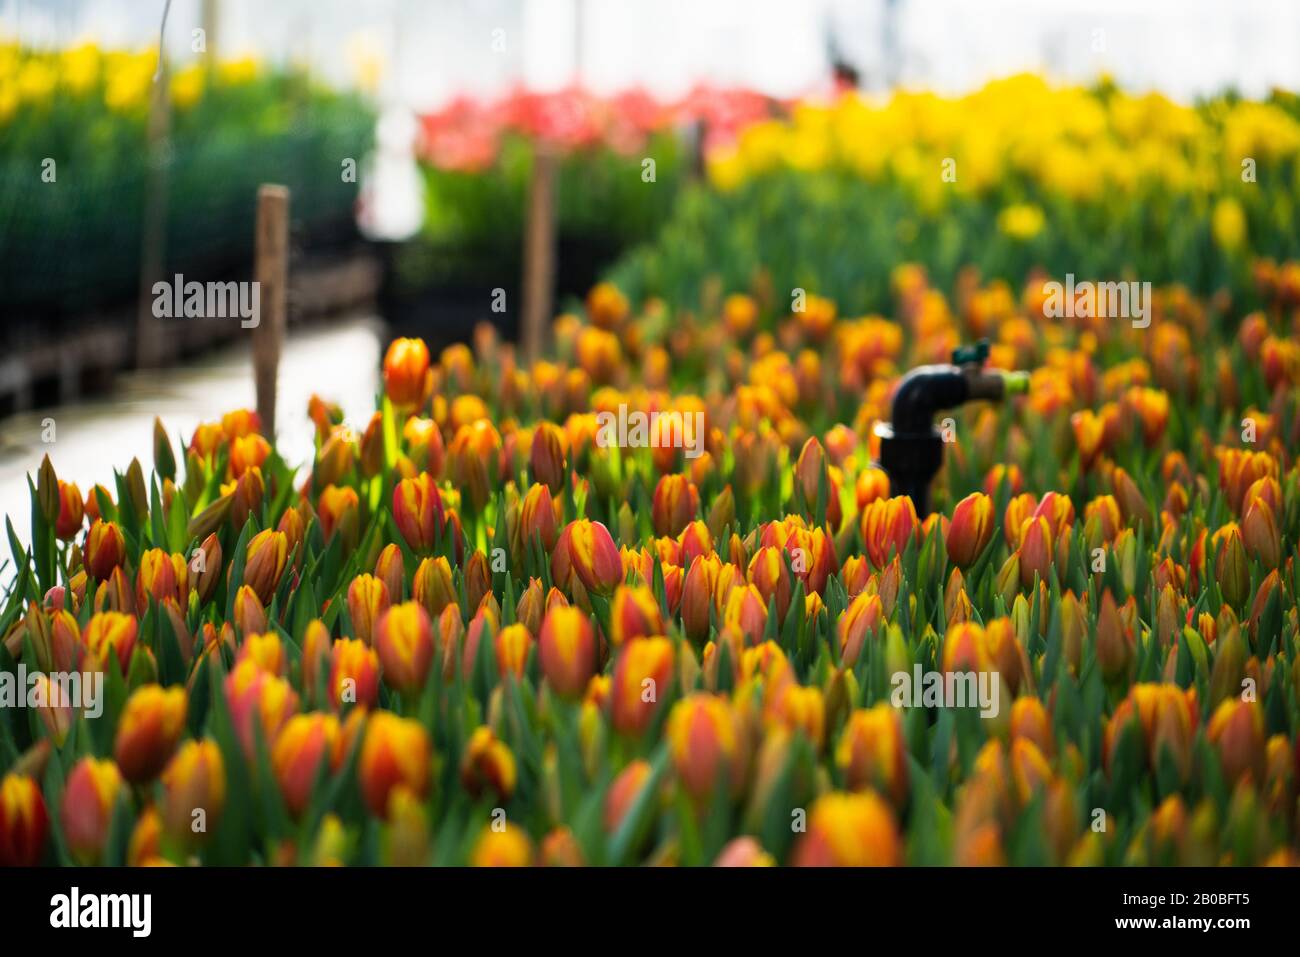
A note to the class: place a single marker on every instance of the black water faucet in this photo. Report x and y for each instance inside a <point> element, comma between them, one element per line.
<point>911,447</point>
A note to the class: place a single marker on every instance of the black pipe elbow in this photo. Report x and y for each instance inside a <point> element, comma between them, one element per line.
<point>923,392</point>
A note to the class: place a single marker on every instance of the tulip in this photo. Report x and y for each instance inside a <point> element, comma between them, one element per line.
<point>623,792</point>
<point>537,519</point>
<point>1231,568</point>
<point>354,674</point>
<point>105,549</point>
<point>864,616</point>
<point>478,579</point>
<point>704,740</point>
<point>1236,729</point>
<point>566,647</point>
<point>641,680</point>
<point>92,790</point>
<point>418,512</point>
<point>389,570</point>
<point>971,529</point>
<point>547,458</point>
<point>746,612</point>
<point>850,830</point>
<point>407,375</point>
<point>508,847</point>
<point>768,573</point>
<point>266,556</point>
<point>697,596</point>
<point>339,511</point>
<point>694,541</point>
<point>207,569</point>
<point>395,752</point>
<point>1167,718</point>
<point>265,651</point>
<point>306,741</point>
<point>317,646</point>
<point>404,642</point>
<point>1116,649</point>
<point>110,631</point>
<point>810,471</point>
<point>258,700</point>
<point>472,460</point>
<point>367,600</point>
<point>675,504</point>
<point>432,586</point>
<point>246,497</point>
<point>1260,535</point>
<point>249,615</point>
<point>886,526</point>
<point>72,512</point>
<point>634,613</point>
<point>512,645</point>
<point>873,753</point>
<point>247,453</point>
<point>531,606</point>
<point>193,781</point>
<point>744,852</point>
<point>585,552</point>
<point>24,822</point>
<point>488,763</point>
<point>147,732</point>
<point>1035,550</point>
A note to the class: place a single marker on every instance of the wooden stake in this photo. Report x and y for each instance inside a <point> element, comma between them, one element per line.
<point>539,252</point>
<point>151,346</point>
<point>271,272</point>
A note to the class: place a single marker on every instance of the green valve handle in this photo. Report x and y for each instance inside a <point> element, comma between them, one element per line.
<point>975,353</point>
<point>1015,383</point>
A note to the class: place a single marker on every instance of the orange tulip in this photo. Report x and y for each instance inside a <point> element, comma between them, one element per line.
<point>194,780</point>
<point>704,739</point>
<point>586,552</point>
<point>395,752</point>
<point>971,529</point>
<point>567,651</point>
<point>24,821</point>
<point>105,549</point>
<point>404,642</point>
<point>306,741</point>
<point>418,511</point>
<point>642,676</point>
<point>850,830</point>
<point>407,376</point>
<point>89,796</point>
<point>147,732</point>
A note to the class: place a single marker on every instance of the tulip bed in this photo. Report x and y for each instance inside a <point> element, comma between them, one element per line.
<point>475,632</point>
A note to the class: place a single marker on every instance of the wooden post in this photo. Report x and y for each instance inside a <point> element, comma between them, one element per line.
<point>271,272</point>
<point>539,252</point>
<point>150,344</point>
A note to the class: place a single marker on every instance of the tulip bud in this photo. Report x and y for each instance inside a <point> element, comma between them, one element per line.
<point>488,763</point>
<point>368,599</point>
<point>850,830</point>
<point>586,553</point>
<point>395,752</point>
<point>505,848</point>
<point>107,632</point>
<point>642,677</point>
<point>531,606</point>
<point>207,570</point>
<point>537,519</point>
<point>624,791</point>
<point>265,558</point>
<point>24,822</point>
<point>432,586</point>
<point>418,512</point>
<point>404,642</point>
<point>105,549</point>
<point>971,529</point>
<point>306,741</point>
<point>354,674</point>
<point>872,752</point>
<point>546,457</point>
<point>407,376</point>
<point>865,616</point>
<point>249,615</point>
<point>389,570</point>
<point>1236,729</point>
<point>567,651</point>
<point>147,732</point>
<point>675,503</point>
<point>71,513</point>
<point>1259,534</point>
<point>257,699</point>
<point>89,797</point>
<point>1115,641</point>
<point>704,739</point>
<point>1232,569</point>
<point>194,792</point>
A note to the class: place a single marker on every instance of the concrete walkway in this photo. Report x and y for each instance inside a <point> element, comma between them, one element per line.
<point>340,361</point>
